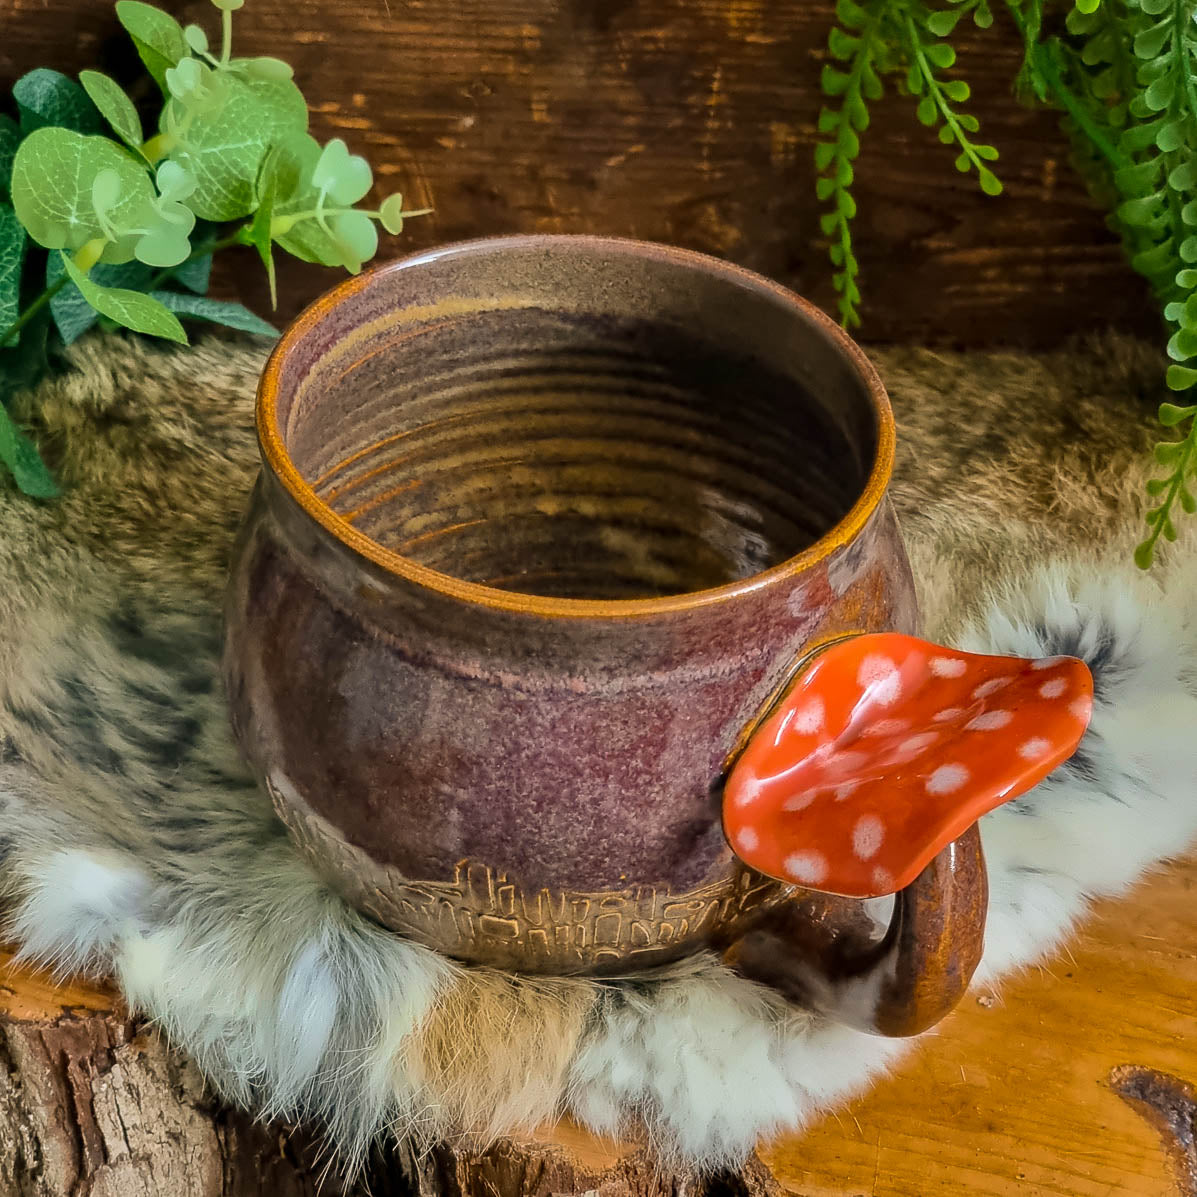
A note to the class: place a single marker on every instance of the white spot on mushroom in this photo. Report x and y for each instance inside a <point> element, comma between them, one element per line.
<point>748,788</point>
<point>867,836</point>
<point>1054,688</point>
<point>1046,663</point>
<point>747,840</point>
<point>841,762</point>
<point>1034,748</point>
<point>799,801</point>
<point>913,744</point>
<point>947,779</point>
<point>810,718</point>
<point>880,679</point>
<point>1081,708</point>
<point>948,713</point>
<point>948,666</point>
<point>989,721</point>
<point>807,868</point>
<point>883,880</point>
<point>886,727</point>
<point>846,790</point>
<point>985,689</point>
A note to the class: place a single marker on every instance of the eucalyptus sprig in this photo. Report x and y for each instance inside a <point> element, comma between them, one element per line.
<point>1123,74</point>
<point>100,222</point>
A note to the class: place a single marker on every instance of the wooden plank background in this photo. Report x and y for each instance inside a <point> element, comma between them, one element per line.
<point>688,121</point>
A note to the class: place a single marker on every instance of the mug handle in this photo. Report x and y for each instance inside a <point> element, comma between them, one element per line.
<point>821,951</point>
<point>866,777</point>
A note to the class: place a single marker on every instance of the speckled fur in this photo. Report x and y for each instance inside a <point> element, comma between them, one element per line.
<point>132,840</point>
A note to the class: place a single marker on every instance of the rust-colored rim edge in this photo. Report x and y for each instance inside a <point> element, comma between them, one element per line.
<point>276,457</point>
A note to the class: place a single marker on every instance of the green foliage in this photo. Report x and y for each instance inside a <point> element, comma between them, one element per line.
<point>1122,74</point>
<point>157,36</point>
<point>131,309</point>
<point>123,230</point>
<point>54,191</point>
<point>114,106</point>
<point>46,98</point>
<point>905,40</point>
<point>12,257</point>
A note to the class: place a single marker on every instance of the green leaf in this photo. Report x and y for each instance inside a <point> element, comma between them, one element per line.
<point>829,222</point>
<point>824,188</point>
<point>224,150</point>
<point>1145,552</point>
<point>957,90</point>
<point>914,80</point>
<point>157,36</point>
<point>988,152</point>
<point>1139,137</point>
<point>1158,258</point>
<point>942,23</point>
<point>1171,414</point>
<point>1159,95</point>
<point>927,112</point>
<point>72,314</point>
<point>52,189</point>
<point>1171,136</point>
<point>46,97</point>
<point>200,307</point>
<point>1184,177</point>
<point>194,275</point>
<point>115,107</point>
<point>1137,180</point>
<point>1186,279</point>
<point>21,457</point>
<point>12,258</point>
<point>132,309</point>
<point>10,138</point>
<point>1139,212</point>
<point>849,13</point>
<point>841,44</point>
<point>833,82</point>
<point>940,55</point>
<point>1182,345</point>
<point>990,183</point>
<point>829,120</point>
<point>824,155</point>
<point>1150,42</point>
<point>1181,378</point>
<point>1188,249</point>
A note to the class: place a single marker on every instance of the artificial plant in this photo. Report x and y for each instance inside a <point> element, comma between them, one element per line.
<point>100,221</point>
<point>1122,74</point>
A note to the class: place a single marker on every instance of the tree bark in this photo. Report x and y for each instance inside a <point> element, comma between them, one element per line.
<point>94,1103</point>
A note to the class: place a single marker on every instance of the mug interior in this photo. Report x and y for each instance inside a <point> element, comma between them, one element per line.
<point>575,417</point>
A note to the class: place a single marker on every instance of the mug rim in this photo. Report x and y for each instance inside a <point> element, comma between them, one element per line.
<point>278,460</point>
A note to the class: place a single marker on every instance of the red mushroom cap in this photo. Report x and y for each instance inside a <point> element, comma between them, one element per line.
<point>888,748</point>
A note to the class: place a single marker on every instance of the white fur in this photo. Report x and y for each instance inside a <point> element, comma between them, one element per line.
<point>295,1005</point>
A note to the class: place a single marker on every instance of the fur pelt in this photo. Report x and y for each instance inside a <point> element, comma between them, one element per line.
<point>134,843</point>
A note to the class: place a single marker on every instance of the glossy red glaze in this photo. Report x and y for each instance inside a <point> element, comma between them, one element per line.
<point>888,748</point>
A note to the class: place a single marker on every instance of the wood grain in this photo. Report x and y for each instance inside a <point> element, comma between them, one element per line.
<point>688,121</point>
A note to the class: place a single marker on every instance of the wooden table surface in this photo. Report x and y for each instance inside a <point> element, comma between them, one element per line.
<point>1012,1094</point>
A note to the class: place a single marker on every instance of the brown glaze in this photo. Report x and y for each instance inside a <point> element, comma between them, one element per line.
<point>823,952</point>
<point>543,524</point>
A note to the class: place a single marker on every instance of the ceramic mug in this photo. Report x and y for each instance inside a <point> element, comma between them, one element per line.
<point>552,631</point>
